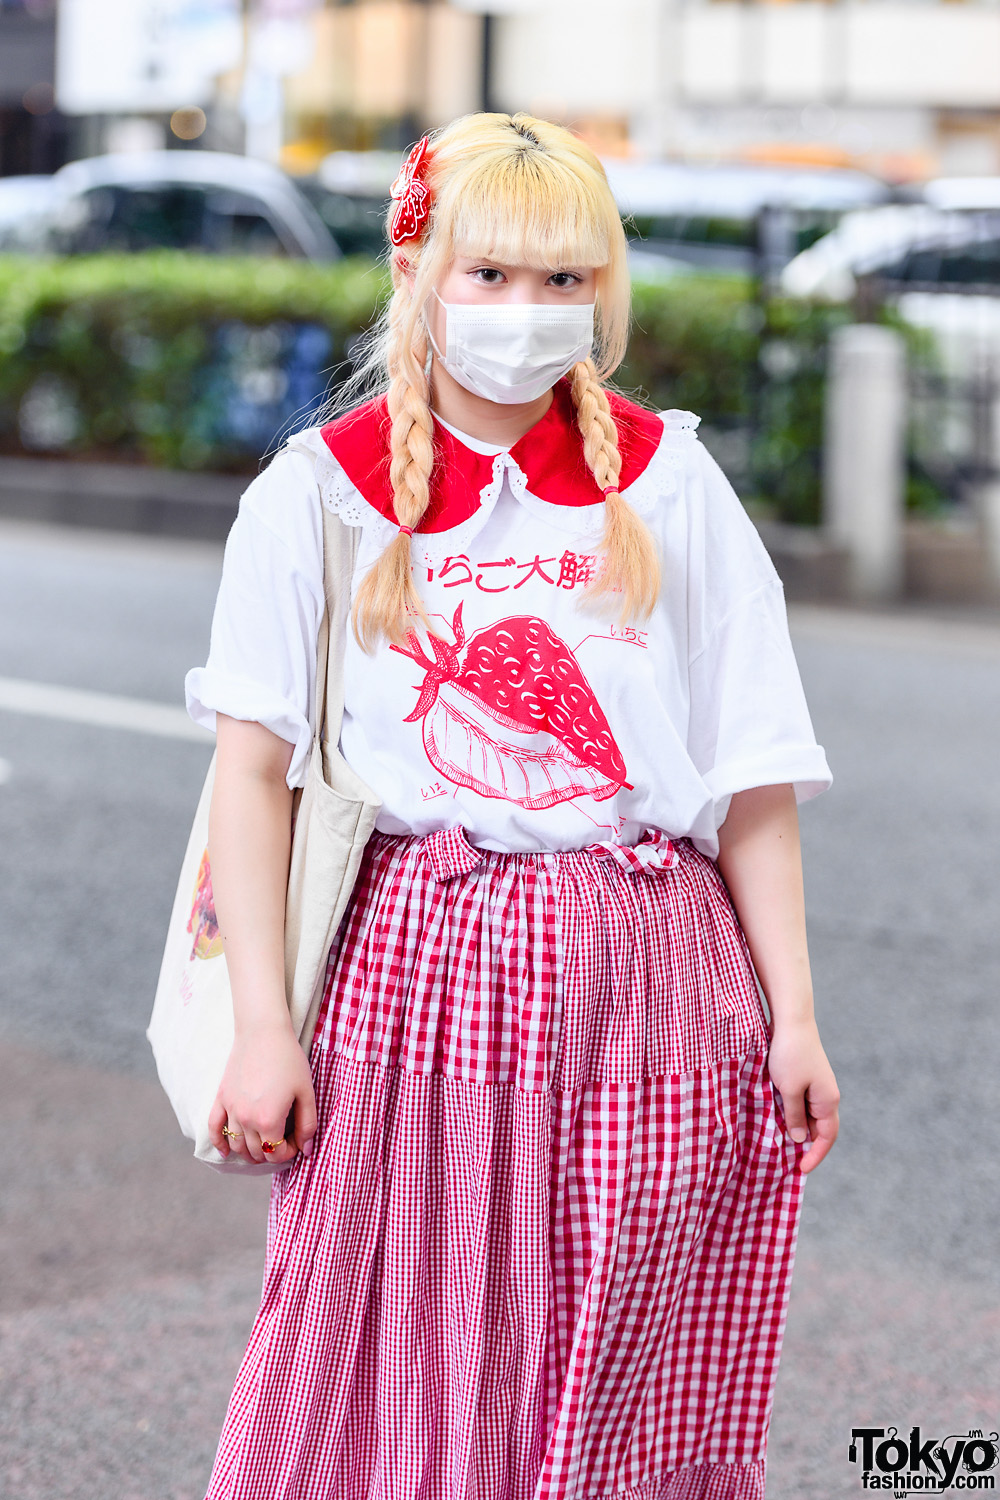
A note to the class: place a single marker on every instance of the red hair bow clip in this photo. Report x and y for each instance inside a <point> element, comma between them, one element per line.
<point>412,195</point>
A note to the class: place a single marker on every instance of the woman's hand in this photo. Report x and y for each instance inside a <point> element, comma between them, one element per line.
<point>802,1075</point>
<point>267,1078</point>
<point>761,863</point>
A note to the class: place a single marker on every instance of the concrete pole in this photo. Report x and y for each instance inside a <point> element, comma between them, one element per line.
<point>988,493</point>
<point>864,456</point>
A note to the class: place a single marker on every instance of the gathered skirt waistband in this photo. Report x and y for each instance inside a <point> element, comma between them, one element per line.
<point>547,970</point>
<point>450,852</point>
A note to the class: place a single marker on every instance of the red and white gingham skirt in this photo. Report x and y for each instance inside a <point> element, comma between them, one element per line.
<point>542,1248</point>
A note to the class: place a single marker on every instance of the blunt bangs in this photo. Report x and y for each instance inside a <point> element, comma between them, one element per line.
<point>528,210</point>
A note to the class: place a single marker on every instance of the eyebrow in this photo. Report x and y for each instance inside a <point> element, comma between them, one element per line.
<point>476,261</point>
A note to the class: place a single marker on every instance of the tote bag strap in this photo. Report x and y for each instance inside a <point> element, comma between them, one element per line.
<point>336,809</point>
<point>340,548</point>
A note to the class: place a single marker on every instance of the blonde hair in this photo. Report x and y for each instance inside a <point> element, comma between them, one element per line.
<point>522,191</point>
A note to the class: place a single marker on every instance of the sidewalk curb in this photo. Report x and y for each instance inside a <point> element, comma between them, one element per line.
<point>809,564</point>
<point>120,497</point>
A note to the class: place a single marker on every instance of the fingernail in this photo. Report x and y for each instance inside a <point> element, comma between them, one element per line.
<point>307,1147</point>
<point>799,1134</point>
<point>808,1146</point>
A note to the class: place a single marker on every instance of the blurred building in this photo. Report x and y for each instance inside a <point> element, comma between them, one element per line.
<point>380,72</point>
<point>905,87</point>
<point>32,131</point>
<point>287,80</point>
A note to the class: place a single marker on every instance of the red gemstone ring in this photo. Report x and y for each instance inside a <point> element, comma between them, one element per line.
<point>269,1146</point>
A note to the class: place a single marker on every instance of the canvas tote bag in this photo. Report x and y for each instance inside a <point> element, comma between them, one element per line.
<point>191,1030</point>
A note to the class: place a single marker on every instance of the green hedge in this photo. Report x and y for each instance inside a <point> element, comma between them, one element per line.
<point>127,342</point>
<point>693,343</point>
<point>756,368</point>
<point>144,357</point>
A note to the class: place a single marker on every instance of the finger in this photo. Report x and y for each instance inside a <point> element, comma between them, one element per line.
<point>236,1139</point>
<point>305,1122</point>
<point>252,1143</point>
<point>277,1150</point>
<point>824,1133</point>
<point>796,1122</point>
<point>217,1117</point>
<point>285,1151</point>
<point>271,1146</point>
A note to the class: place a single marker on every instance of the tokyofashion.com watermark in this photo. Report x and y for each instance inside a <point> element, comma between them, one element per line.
<point>918,1465</point>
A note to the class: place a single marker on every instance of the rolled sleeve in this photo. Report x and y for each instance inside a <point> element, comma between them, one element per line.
<point>750,725</point>
<point>209,691</point>
<point>262,658</point>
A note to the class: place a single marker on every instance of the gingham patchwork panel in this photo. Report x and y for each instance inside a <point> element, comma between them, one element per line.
<point>542,1248</point>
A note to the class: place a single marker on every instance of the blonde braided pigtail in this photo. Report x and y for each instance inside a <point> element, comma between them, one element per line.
<point>631,565</point>
<point>387,600</point>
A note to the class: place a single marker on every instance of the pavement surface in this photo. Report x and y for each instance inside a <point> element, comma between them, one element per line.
<point>129,1274</point>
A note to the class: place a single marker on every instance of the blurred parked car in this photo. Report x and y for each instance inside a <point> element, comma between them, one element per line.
<point>940,268</point>
<point>206,201</point>
<point>25,203</point>
<point>901,245</point>
<point>967,193</point>
<point>709,216</point>
<point>350,192</point>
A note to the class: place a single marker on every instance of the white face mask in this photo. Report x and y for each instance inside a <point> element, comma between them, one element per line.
<point>514,352</point>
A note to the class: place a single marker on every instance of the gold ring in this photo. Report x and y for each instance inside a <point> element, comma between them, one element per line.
<point>234,1135</point>
<point>269,1146</point>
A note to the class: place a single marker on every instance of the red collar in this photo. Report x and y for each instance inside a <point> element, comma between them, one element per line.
<point>550,455</point>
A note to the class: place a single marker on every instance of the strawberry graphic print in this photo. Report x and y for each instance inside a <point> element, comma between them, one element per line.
<point>510,714</point>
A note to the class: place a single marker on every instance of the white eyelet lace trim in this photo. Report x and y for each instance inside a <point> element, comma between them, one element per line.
<point>659,480</point>
<point>661,477</point>
<point>432,547</point>
<point>675,419</point>
<point>344,498</point>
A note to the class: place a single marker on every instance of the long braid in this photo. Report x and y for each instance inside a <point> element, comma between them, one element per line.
<point>631,564</point>
<point>387,598</point>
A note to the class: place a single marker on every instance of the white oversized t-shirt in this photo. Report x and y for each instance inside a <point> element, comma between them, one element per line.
<point>526,718</point>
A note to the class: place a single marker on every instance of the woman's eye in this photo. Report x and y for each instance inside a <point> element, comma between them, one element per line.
<point>564,279</point>
<point>489,275</point>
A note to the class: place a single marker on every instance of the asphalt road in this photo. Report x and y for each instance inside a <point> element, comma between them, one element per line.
<point>129,1274</point>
